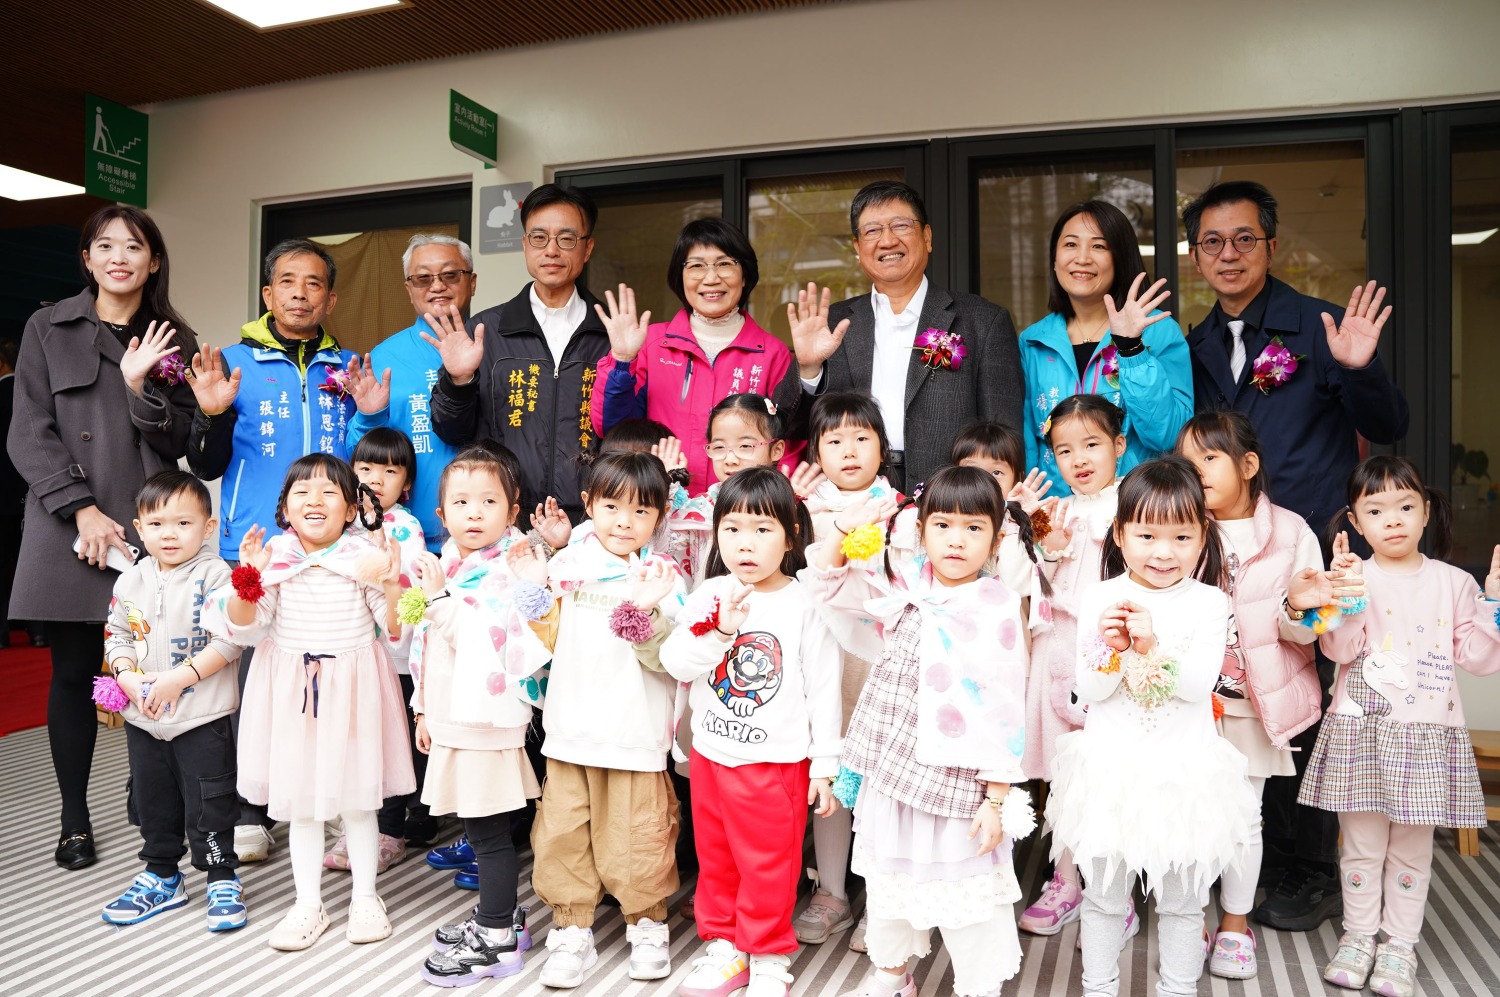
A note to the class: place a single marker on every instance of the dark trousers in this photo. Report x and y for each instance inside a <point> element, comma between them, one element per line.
<point>1299,832</point>
<point>72,724</point>
<point>495,851</point>
<point>391,818</point>
<point>184,786</point>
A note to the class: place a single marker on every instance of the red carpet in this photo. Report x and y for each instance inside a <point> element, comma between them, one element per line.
<point>27,671</point>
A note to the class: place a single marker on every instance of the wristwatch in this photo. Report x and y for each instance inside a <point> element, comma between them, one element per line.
<point>1295,615</point>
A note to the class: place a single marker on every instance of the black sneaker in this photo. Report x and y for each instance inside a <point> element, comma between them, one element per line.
<point>1302,900</point>
<point>449,935</point>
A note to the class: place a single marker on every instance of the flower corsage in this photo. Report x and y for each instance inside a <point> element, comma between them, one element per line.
<point>338,383</point>
<point>246,582</point>
<point>169,370</point>
<point>1109,365</point>
<point>1275,366</point>
<point>941,349</point>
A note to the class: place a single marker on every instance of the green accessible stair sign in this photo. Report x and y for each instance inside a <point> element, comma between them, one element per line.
<point>473,128</point>
<point>115,142</point>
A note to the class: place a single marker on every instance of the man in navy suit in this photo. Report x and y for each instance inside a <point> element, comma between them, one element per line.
<point>1309,426</point>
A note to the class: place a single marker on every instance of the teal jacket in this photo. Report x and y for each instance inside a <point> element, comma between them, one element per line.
<point>1154,387</point>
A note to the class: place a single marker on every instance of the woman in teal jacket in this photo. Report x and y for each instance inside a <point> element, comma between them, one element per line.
<point>1133,354</point>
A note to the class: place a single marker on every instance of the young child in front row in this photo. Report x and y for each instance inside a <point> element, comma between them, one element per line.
<point>1147,787</point>
<point>473,702</point>
<point>385,462</point>
<point>323,730</point>
<point>1268,683</point>
<point>1086,436</point>
<point>182,689</point>
<point>765,698</point>
<point>1393,757</point>
<point>936,739</point>
<point>607,819</point>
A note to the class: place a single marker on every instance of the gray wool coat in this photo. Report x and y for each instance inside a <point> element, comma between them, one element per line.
<point>77,436</point>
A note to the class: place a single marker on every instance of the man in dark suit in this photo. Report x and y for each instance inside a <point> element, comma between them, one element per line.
<point>1309,424</point>
<point>875,342</point>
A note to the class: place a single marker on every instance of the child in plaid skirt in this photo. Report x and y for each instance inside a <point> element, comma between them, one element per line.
<point>1393,757</point>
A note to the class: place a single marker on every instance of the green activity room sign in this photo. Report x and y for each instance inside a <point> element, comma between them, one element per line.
<point>473,128</point>
<point>115,143</point>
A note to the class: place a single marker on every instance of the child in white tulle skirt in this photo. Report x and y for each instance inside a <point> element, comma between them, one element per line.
<point>1147,787</point>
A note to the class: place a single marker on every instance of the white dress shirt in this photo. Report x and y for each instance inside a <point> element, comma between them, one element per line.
<point>558,324</point>
<point>895,336</point>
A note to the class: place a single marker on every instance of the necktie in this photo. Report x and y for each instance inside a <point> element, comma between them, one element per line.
<point>1237,352</point>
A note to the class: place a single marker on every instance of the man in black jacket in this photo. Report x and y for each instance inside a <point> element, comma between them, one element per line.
<point>523,372</point>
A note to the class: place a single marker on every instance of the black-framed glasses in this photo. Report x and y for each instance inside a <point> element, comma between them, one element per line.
<point>1244,242</point>
<point>899,227</point>
<point>538,239</point>
<point>698,269</point>
<point>448,277</point>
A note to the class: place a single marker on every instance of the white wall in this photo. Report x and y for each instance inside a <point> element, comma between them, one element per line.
<point>851,72</point>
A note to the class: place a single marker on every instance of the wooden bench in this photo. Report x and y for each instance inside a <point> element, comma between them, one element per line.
<point>1487,757</point>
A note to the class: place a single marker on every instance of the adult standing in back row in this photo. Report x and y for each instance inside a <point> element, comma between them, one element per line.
<point>1308,416</point>
<point>934,359</point>
<point>524,372</point>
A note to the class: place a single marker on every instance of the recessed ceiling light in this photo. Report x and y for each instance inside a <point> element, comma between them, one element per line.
<point>268,14</point>
<point>1473,238</point>
<point>18,185</point>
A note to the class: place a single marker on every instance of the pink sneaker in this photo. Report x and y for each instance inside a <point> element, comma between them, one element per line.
<point>873,988</point>
<point>1057,906</point>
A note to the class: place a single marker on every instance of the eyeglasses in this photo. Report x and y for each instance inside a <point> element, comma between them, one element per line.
<point>745,451</point>
<point>538,239</point>
<point>899,227</point>
<point>698,270</point>
<point>448,277</point>
<point>1244,242</point>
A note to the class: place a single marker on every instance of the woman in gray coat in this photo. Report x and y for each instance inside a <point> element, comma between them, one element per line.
<point>100,406</point>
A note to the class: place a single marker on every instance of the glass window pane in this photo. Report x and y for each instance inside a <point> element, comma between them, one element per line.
<point>799,227</point>
<point>1018,205</point>
<point>1475,245</point>
<point>634,237</point>
<point>1320,235</point>
<point>373,302</point>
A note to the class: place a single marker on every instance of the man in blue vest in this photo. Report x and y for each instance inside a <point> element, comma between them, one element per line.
<point>249,429</point>
<point>1308,424</point>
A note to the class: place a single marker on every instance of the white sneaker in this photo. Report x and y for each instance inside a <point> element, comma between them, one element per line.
<point>570,955</point>
<point>769,976</point>
<point>650,949</point>
<point>718,972</point>
<point>252,842</point>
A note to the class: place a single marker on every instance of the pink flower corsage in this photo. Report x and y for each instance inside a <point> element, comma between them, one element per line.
<point>630,623</point>
<point>940,349</point>
<point>338,383</point>
<point>711,622</point>
<point>1275,366</point>
<point>1109,365</point>
<point>169,370</point>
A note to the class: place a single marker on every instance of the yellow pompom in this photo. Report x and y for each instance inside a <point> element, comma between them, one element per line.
<point>863,542</point>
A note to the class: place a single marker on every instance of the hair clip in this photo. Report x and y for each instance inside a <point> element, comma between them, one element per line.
<point>770,405</point>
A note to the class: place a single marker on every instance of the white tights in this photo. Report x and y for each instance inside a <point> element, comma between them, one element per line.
<point>305,843</point>
<point>1238,881</point>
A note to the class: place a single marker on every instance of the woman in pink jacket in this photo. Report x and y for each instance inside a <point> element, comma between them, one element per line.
<point>1268,687</point>
<point>676,372</point>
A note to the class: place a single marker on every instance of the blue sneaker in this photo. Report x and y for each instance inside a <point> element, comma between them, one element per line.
<point>226,905</point>
<point>147,896</point>
<point>454,856</point>
<point>467,878</point>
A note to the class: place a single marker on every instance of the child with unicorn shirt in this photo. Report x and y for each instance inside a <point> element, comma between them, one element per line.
<point>1393,757</point>
<point>607,820</point>
<point>1086,436</point>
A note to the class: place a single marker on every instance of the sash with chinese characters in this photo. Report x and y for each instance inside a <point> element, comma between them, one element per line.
<point>971,690</point>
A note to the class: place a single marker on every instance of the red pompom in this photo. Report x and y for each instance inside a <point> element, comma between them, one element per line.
<point>1218,707</point>
<point>246,581</point>
<point>711,623</point>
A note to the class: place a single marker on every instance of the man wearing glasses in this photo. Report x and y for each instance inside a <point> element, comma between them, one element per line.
<point>393,385</point>
<point>524,372</point>
<point>934,360</point>
<point>1308,418</point>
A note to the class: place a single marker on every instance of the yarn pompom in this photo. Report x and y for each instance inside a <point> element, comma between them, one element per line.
<point>1324,618</point>
<point>629,623</point>
<point>108,695</point>
<point>863,542</point>
<point>1218,706</point>
<point>1017,818</point>
<point>710,622</point>
<point>846,787</point>
<point>1101,657</point>
<point>1351,605</point>
<point>412,606</point>
<point>531,600</point>
<point>1041,525</point>
<point>1150,679</point>
<point>246,582</point>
